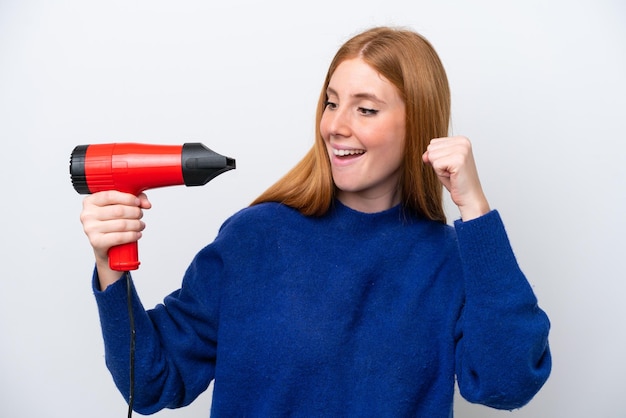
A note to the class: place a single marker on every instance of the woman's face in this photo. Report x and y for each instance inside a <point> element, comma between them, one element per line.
<point>363,127</point>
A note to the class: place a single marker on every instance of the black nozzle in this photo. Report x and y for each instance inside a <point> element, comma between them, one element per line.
<point>77,169</point>
<point>201,165</point>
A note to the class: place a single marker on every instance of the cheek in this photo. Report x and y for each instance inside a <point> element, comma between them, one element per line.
<point>324,127</point>
<point>393,151</point>
<point>389,141</point>
<point>397,142</point>
<point>393,156</point>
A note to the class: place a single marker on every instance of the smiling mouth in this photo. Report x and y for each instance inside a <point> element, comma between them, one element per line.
<point>347,152</point>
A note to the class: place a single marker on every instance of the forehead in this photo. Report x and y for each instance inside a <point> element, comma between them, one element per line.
<point>354,77</point>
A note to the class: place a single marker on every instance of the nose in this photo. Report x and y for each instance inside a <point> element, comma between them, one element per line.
<point>336,122</point>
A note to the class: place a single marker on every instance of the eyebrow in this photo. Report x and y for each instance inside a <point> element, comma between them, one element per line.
<point>363,95</point>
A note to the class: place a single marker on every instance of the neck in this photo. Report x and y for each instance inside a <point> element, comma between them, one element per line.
<point>369,204</point>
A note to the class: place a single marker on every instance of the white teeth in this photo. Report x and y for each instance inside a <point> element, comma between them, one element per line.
<point>343,152</point>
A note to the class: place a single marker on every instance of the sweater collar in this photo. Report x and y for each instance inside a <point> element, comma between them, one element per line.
<point>354,217</point>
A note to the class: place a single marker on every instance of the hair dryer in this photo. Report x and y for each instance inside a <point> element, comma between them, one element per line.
<point>134,168</point>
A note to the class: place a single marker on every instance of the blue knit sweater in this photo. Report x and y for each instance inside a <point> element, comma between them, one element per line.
<point>346,315</point>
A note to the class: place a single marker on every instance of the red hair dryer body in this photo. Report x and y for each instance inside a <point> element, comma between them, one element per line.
<point>134,168</point>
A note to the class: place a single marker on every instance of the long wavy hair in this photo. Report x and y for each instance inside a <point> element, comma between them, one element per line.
<point>410,63</point>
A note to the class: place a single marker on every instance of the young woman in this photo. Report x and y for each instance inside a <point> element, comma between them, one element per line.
<point>341,291</point>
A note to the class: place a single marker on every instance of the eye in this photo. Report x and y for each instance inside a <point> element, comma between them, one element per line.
<point>330,105</point>
<point>367,112</point>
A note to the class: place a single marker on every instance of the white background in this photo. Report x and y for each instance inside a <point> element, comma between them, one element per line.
<point>537,85</point>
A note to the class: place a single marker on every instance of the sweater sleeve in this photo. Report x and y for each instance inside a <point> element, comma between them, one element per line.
<point>503,357</point>
<point>175,343</point>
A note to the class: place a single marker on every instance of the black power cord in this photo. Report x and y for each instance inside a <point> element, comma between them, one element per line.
<point>131,319</point>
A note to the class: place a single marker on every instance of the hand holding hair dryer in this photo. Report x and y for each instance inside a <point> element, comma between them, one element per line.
<point>134,168</point>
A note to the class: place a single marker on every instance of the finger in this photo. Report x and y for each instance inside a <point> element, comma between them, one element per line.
<point>112,197</point>
<point>119,225</point>
<point>144,203</point>
<point>453,153</point>
<point>96,228</point>
<point>437,149</point>
<point>95,213</point>
<point>102,243</point>
<point>446,146</point>
<point>104,234</point>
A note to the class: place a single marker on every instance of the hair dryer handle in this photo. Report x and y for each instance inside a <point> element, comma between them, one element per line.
<point>124,257</point>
